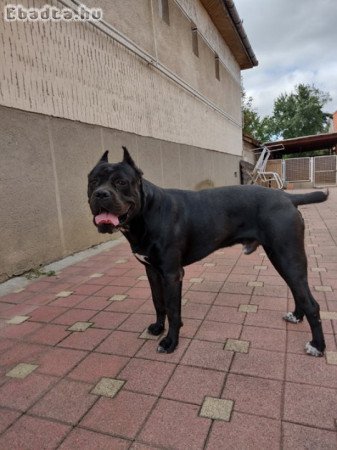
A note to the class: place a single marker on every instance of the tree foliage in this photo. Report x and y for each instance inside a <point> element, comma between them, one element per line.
<point>253,125</point>
<point>299,113</point>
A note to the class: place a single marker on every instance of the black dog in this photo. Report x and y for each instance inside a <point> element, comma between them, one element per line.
<point>170,228</point>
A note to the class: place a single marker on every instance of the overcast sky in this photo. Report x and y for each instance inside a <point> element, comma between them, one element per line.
<point>295,41</point>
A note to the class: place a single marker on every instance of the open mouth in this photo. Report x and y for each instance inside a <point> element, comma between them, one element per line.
<point>108,218</point>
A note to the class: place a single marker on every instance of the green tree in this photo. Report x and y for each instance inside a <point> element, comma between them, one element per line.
<point>300,113</point>
<point>259,128</point>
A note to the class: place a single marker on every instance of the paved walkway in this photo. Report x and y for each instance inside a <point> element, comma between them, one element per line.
<point>78,371</point>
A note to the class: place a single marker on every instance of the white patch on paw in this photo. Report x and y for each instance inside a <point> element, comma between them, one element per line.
<point>312,350</point>
<point>289,317</point>
<point>161,349</point>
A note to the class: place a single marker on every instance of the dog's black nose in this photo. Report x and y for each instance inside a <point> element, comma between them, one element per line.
<point>101,193</point>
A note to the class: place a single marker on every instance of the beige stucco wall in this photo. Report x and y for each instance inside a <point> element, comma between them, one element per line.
<point>44,163</point>
<point>68,91</point>
<point>248,152</point>
<point>75,71</point>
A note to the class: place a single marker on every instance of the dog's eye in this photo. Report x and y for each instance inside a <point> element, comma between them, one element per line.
<point>121,183</point>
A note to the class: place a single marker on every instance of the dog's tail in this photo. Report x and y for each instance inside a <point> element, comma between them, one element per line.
<point>311,197</point>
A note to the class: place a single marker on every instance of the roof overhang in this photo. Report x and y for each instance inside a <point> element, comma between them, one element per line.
<point>250,140</point>
<point>225,17</point>
<point>305,143</point>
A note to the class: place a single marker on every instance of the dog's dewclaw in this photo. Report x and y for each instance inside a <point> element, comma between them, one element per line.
<point>312,350</point>
<point>289,317</point>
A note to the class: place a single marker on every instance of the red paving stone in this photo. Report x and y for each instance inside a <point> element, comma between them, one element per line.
<point>218,331</point>
<point>175,425</point>
<point>245,432</point>
<point>121,343</point>
<point>310,405</point>
<point>210,355</point>
<point>96,366</point>
<point>19,352</point>
<point>80,439</point>
<point>192,384</point>
<point>301,370</point>
<point>86,340</point>
<point>59,361</point>
<point>7,417</point>
<point>253,395</point>
<point>46,313</point>
<point>282,397</point>
<point>19,331</point>
<point>266,338</point>
<point>225,314</point>
<point>300,437</point>
<point>68,401</point>
<point>260,363</point>
<point>108,320</point>
<point>137,322</point>
<point>148,377</point>
<point>49,335</point>
<point>93,303</point>
<point>122,416</point>
<point>32,433</point>
<point>21,394</point>
<point>74,315</point>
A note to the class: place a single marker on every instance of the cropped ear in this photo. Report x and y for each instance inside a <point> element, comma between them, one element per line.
<point>104,157</point>
<point>128,160</point>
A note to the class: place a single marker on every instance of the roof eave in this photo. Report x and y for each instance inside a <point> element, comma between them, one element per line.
<point>226,18</point>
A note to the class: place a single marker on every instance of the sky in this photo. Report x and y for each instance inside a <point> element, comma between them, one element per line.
<point>295,41</point>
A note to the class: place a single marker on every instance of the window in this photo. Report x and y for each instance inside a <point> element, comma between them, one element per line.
<point>195,40</point>
<point>217,67</point>
<point>164,11</point>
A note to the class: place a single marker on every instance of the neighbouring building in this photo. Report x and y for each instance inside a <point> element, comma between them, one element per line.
<point>334,123</point>
<point>159,76</point>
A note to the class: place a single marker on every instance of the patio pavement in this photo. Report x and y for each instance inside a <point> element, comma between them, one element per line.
<point>78,371</point>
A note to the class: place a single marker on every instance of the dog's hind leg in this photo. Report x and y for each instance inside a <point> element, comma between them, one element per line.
<point>291,263</point>
<point>157,291</point>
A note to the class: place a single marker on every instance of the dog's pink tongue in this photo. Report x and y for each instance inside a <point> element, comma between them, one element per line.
<point>107,218</point>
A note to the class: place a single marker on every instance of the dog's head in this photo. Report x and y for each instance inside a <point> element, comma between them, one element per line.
<point>114,192</point>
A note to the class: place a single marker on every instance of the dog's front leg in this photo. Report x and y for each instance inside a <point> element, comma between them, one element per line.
<point>157,290</point>
<point>172,284</point>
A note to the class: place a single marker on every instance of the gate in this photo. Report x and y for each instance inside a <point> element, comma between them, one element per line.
<point>325,169</point>
<point>297,169</point>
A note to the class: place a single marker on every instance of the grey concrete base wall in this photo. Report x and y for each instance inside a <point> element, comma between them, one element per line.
<point>44,162</point>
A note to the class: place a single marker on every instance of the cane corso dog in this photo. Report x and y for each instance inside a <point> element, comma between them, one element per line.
<point>170,228</point>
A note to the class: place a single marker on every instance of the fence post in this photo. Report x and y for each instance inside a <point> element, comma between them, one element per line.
<point>283,169</point>
<point>312,165</point>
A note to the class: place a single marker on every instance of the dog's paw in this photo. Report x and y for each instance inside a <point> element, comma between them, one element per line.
<point>290,317</point>
<point>313,351</point>
<point>166,345</point>
<point>156,329</point>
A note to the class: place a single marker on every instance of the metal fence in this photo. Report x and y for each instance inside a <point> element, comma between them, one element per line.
<point>325,170</point>
<point>297,169</point>
<point>319,170</point>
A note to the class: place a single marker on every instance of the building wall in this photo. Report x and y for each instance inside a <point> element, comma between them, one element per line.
<point>75,71</point>
<point>44,162</point>
<point>334,122</point>
<point>248,154</point>
<point>69,91</point>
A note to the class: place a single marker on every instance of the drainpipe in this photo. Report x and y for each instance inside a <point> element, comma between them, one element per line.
<point>232,11</point>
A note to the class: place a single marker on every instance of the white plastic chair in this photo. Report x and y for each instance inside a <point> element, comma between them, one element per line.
<point>259,172</point>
